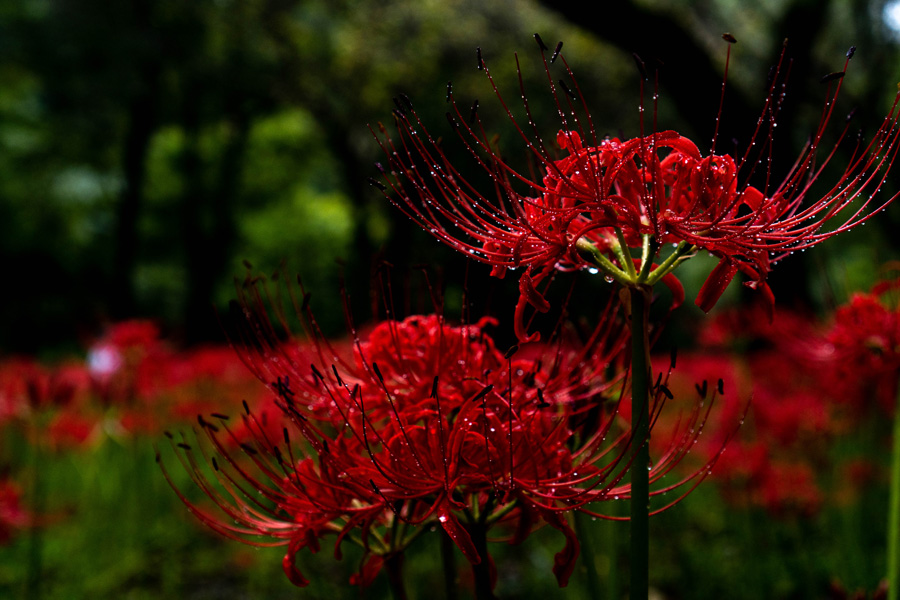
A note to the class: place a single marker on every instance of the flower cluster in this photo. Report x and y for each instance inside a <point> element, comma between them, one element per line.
<point>420,423</point>
<point>811,381</point>
<point>861,352</point>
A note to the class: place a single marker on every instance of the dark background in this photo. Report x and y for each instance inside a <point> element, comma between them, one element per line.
<point>147,147</point>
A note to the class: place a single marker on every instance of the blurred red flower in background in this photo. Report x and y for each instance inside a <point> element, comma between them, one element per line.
<point>861,354</point>
<point>13,516</point>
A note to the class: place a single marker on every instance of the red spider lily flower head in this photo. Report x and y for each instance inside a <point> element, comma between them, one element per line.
<point>862,349</point>
<point>121,359</point>
<point>48,400</point>
<point>13,515</point>
<point>58,387</point>
<point>425,423</point>
<point>26,386</point>
<point>604,197</point>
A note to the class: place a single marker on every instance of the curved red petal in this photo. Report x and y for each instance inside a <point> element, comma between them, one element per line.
<point>291,570</point>
<point>457,532</point>
<point>564,561</point>
<point>369,569</point>
<point>715,284</point>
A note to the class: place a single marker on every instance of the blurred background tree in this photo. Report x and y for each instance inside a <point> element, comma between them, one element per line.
<point>148,146</point>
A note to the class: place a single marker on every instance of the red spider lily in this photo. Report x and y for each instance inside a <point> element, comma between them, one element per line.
<point>49,402</point>
<point>424,423</point>
<point>862,350</point>
<point>116,360</point>
<point>27,386</point>
<point>13,516</point>
<point>795,415</point>
<point>148,384</point>
<point>587,209</point>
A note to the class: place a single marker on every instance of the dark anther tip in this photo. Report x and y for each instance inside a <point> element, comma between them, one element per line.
<point>832,77</point>
<point>512,350</point>
<point>566,89</point>
<point>206,424</point>
<point>729,38</point>
<point>556,53</point>
<point>851,52</point>
<point>701,388</point>
<point>376,183</point>
<point>249,449</point>
<point>540,42</point>
<point>247,264</point>
<point>480,58</point>
<point>642,68</point>
<point>377,372</point>
<point>484,392</point>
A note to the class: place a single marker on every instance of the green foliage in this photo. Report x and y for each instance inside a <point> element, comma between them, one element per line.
<point>114,528</point>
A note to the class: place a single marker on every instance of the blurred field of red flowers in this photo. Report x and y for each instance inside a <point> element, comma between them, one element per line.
<point>809,457</point>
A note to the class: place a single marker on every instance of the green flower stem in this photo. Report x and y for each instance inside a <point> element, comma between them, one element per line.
<point>671,261</point>
<point>448,562</point>
<point>481,572</point>
<point>624,254</point>
<point>893,542</point>
<point>394,566</point>
<point>588,556</point>
<point>35,574</point>
<point>603,263</point>
<point>648,249</point>
<point>640,457</point>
